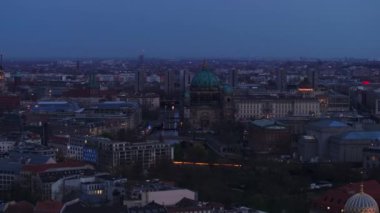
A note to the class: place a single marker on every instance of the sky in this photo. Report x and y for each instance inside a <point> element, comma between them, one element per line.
<point>190,28</point>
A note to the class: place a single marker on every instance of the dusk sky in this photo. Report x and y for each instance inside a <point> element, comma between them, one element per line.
<point>192,28</point>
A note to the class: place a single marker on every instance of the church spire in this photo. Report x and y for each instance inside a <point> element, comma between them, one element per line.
<point>1,61</point>
<point>362,182</point>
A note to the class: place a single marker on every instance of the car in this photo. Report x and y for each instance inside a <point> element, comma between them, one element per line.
<point>320,184</point>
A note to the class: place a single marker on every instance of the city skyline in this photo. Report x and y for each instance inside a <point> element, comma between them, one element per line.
<point>196,29</point>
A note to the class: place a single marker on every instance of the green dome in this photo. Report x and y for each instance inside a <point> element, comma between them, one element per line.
<point>205,80</point>
<point>227,89</point>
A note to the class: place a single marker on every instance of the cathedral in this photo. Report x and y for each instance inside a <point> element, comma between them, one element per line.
<point>208,101</point>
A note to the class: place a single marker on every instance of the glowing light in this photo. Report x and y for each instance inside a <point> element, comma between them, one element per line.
<point>366,82</point>
<point>305,89</point>
<point>206,164</point>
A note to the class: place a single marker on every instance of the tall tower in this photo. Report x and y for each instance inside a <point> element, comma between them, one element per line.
<point>182,80</point>
<point>77,67</point>
<point>93,84</point>
<point>169,80</point>
<point>174,82</point>
<point>313,77</point>
<point>281,79</point>
<point>234,78</point>
<point>140,75</point>
<point>2,76</point>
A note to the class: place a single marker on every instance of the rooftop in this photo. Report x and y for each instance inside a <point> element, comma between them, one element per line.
<point>328,123</point>
<point>336,198</point>
<point>45,167</point>
<point>116,105</point>
<point>55,106</point>
<point>266,123</point>
<point>361,135</point>
<point>48,206</point>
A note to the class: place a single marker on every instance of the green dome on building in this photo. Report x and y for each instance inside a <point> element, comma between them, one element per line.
<point>205,80</point>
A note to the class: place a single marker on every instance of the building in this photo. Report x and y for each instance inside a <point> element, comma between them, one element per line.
<point>282,83</point>
<point>361,202</point>
<point>348,147</point>
<point>307,148</point>
<point>209,102</point>
<point>94,190</point>
<point>147,101</point>
<point>6,146</point>
<point>305,87</point>
<point>337,102</point>
<point>40,178</point>
<point>112,154</point>
<point>78,206</point>
<point>234,78</point>
<point>268,137</point>
<point>371,158</point>
<point>3,82</point>
<point>55,107</point>
<point>148,208</point>
<point>174,83</point>
<point>274,106</point>
<point>24,151</point>
<point>9,174</point>
<point>19,207</point>
<point>313,76</point>
<point>109,154</point>
<point>48,206</point>
<point>140,75</point>
<point>108,116</point>
<point>366,97</point>
<point>189,205</point>
<point>85,148</point>
<point>128,113</point>
<point>158,192</point>
<point>322,130</point>
<point>9,102</point>
<point>341,199</point>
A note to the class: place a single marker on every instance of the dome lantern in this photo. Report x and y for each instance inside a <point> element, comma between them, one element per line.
<point>205,80</point>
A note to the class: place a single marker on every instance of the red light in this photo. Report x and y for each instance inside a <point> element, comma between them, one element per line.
<point>365,82</point>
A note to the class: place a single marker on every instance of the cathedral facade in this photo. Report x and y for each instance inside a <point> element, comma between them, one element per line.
<point>208,101</point>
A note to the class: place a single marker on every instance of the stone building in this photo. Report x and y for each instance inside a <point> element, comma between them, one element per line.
<point>209,101</point>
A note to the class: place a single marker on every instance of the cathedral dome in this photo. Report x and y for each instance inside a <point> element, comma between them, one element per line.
<point>205,80</point>
<point>361,203</point>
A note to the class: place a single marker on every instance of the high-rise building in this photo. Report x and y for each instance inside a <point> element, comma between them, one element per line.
<point>234,78</point>
<point>169,82</point>
<point>175,83</point>
<point>313,77</point>
<point>2,77</point>
<point>282,79</point>
<point>182,80</point>
<point>93,84</point>
<point>77,66</point>
<point>186,77</point>
<point>140,76</point>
